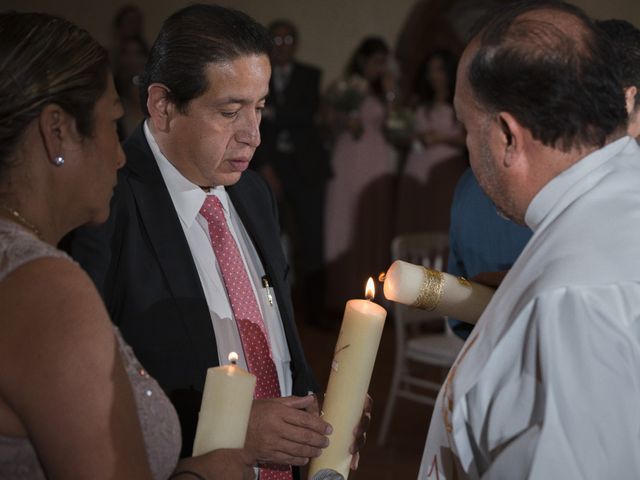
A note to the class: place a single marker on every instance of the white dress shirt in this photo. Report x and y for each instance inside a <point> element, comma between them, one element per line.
<point>547,386</point>
<point>188,198</point>
<point>281,77</point>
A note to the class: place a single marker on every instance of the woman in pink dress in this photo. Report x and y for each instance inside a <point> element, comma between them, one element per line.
<point>358,218</point>
<point>437,158</point>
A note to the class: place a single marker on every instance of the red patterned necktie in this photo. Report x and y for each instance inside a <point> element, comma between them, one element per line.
<point>253,334</point>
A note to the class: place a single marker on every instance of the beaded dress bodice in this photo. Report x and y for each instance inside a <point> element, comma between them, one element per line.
<point>158,418</point>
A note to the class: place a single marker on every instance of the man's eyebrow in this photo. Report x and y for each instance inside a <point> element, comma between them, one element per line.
<point>241,101</point>
<point>228,100</point>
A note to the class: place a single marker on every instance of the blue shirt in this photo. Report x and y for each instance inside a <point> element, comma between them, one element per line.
<point>480,240</point>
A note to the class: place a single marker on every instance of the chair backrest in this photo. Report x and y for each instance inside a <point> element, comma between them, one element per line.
<point>429,249</point>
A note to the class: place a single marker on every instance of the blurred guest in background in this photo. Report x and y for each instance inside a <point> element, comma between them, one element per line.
<point>435,24</point>
<point>129,52</point>
<point>128,22</point>
<point>360,197</point>
<point>437,158</point>
<point>294,161</point>
<point>128,62</point>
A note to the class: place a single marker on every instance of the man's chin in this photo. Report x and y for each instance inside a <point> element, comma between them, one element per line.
<point>510,215</point>
<point>227,179</point>
<point>99,218</point>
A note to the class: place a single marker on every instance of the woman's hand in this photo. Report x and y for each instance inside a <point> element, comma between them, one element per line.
<point>222,464</point>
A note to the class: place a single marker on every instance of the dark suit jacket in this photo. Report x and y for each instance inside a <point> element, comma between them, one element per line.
<point>141,263</point>
<point>295,110</point>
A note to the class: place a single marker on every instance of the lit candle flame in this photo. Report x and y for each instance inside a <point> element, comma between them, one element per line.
<point>233,358</point>
<point>370,291</point>
<point>382,277</point>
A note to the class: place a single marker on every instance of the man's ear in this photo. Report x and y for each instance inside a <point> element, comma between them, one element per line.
<point>630,98</point>
<point>160,106</point>
<point>57,127</point>
<point>512,135</point>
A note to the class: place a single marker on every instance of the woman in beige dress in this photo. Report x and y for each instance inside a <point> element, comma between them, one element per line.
<point>74,401</point>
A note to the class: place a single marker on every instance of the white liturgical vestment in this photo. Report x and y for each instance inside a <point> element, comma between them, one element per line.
<point>548,384</point>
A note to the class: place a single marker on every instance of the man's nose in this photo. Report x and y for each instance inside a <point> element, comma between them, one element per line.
<point>249,131</point>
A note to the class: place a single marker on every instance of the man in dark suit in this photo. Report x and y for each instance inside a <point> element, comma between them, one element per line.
<point>155,261</point>
<point>293,159</point>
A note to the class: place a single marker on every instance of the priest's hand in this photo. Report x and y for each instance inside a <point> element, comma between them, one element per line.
<point>360,432</point>
<point>286,430</point>
<point>490,279</point>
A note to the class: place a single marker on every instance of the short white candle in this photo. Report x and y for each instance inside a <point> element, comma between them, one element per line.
<point>437,291</point>
<point>351,370</point>
<point>225,408</point>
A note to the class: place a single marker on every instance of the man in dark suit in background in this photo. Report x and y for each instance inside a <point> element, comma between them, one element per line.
<point>158,260</point>
<point>294,161</point>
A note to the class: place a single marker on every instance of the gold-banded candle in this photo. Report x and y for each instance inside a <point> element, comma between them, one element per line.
<point>432,290</point>
<point>351,370</point>
<point>225,408</point>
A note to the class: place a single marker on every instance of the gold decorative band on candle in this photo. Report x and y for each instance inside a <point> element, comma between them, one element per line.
<point>430,291</point>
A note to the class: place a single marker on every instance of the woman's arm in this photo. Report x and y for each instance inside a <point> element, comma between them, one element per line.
<point>63,377</point>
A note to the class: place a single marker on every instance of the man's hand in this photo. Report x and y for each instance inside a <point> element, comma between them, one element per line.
<point>286,430</point>
<point>360,432</point>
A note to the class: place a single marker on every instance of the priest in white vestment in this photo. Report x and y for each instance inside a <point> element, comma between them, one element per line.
<point>548,384</point>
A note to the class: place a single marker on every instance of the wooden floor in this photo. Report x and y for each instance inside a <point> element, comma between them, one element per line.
<point>400,458</point>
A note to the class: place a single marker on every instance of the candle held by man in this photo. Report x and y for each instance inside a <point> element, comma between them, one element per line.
<point>351,370</point>
<point>432,290</point>
<point>225,409</point>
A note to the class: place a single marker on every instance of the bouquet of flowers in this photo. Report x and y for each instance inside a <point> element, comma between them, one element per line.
<point>345,97</point>
<point>399,126</point>
<point>346,94</point>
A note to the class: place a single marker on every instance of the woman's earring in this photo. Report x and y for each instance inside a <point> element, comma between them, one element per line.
<point>58,161</point>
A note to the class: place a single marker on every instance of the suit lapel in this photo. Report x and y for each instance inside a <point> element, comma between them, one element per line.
<point>256,223</point>
<point>164,232</point>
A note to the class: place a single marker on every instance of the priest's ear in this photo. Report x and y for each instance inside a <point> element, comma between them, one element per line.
<point>160,106</point>
<point>512,138</point>
<point>630,98</point>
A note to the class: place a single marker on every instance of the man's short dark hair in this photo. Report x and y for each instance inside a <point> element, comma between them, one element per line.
<point>193,38</point>
<point>626,40</point>
<point>566,89</point>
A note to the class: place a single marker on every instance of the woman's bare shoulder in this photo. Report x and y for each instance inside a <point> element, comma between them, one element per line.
<point>52,310</point>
